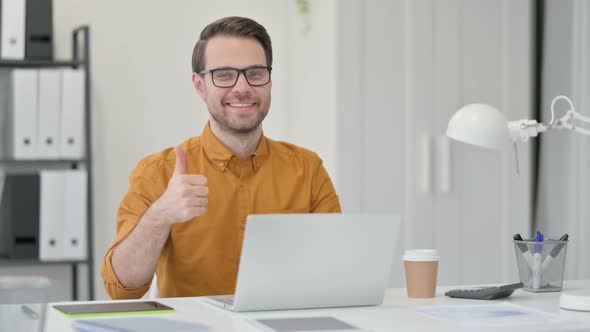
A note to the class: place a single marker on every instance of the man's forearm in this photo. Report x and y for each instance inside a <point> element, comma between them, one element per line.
<point>135,258</point>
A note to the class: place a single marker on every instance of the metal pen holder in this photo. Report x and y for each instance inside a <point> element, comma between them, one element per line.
<point>541,264</point>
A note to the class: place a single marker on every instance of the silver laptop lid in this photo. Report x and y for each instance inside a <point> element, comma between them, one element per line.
<point>291,261</point>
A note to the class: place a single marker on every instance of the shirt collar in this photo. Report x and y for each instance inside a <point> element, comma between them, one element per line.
<point>220,155</point>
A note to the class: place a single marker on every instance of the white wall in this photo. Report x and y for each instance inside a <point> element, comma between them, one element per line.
<point>404,70</point>
<point>564,181</point>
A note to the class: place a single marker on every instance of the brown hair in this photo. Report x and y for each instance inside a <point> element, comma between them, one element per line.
<point>233,26</point>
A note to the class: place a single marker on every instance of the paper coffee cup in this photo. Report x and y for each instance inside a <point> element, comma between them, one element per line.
<point>421,266</point>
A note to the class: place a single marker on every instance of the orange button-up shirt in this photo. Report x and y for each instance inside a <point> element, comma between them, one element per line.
<point>200,256</point>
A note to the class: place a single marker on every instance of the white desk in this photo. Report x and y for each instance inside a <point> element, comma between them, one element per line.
<point>398,313</point>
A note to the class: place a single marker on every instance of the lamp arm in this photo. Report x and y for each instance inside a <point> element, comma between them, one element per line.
<point>553,107</point>
<point>525,128</point>
<point>568,122</point>
<point>581,117</point>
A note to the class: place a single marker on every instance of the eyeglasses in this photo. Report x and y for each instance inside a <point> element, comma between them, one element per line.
<point>228,77</point>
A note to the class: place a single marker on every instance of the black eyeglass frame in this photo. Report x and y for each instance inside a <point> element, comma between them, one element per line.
<point>240,71</point>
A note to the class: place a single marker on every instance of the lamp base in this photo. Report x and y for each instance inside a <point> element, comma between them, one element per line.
<point>575,300</point>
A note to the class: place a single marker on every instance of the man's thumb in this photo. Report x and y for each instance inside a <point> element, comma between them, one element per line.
<point>180,167</point>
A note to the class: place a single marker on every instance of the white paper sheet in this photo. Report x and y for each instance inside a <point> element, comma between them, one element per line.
<point>495,315</point>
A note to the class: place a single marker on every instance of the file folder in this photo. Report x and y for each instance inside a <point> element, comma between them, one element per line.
<point>51,224</point>
<point>49,113</point>
<point>18,107</point>
<point>39,30</point>
<point>75,217</point>
<point>4,236</point>
<point>12,29</point>
<point>19,216</point>
<point>3,223</point>
<point>72,114</point>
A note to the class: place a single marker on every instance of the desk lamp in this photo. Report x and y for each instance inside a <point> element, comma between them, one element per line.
<point>485,126</point>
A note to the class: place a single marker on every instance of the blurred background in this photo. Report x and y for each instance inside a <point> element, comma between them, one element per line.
<point>370,86</point>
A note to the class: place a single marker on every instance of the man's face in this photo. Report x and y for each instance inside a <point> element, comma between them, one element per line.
<point>241,108</point>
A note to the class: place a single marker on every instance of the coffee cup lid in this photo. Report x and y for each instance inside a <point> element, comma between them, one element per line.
<point>421,255</point>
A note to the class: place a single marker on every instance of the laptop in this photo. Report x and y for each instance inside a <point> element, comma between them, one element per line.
<point>297,261</point>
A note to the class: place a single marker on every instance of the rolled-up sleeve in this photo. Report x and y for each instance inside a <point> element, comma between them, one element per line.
<point>145,187</point>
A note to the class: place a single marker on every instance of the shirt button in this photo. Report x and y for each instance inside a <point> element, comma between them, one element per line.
<point>221,164</point>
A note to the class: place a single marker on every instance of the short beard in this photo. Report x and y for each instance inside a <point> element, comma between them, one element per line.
<point>228,127</point>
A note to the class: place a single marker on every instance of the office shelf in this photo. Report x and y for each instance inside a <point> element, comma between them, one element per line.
<point>4,261</point>
<point>39,63</point>
<point>81,60</point>
<point>36,161</point>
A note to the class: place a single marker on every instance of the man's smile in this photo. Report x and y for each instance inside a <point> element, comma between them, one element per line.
<point>241,107</point>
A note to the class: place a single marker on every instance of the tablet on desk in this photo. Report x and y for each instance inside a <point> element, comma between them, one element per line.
<point>112,309</point>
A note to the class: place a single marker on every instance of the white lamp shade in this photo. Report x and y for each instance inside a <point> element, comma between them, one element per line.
<point>481,125</point>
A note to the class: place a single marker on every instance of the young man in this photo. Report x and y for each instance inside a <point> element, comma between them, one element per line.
<point>184,215</point>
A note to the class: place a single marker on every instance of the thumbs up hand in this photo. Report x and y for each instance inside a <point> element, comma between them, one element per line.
<point>186,195</point>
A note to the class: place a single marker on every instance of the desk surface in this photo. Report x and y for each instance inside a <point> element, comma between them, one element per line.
<point>396,313</point>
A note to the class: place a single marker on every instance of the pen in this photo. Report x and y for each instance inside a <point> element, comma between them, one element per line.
<point>29,312</point>
<point>537,260</point>
<point>554,252</point>
<point>528,257</point>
